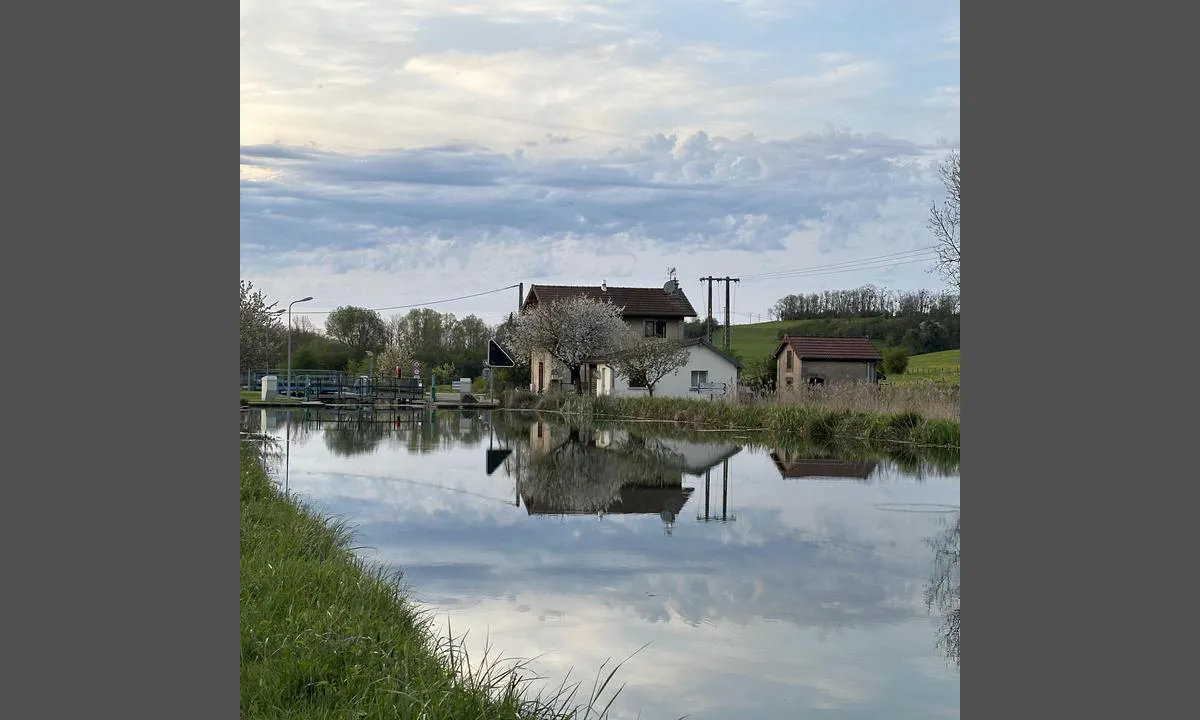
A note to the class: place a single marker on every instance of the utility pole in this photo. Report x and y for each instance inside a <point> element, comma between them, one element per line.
<point>708,317</point>
<point>520,296</point>
<point>728,280</point>
<point>708,322</point>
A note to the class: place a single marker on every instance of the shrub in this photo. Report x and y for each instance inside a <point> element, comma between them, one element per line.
<point>895,361</point>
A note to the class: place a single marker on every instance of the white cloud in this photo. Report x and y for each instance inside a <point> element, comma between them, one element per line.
<point>501,140</point>
<point>368,228</point>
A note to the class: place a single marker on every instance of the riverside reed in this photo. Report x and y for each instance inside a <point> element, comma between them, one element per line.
<point>813,420</point>
<point>324,635</point>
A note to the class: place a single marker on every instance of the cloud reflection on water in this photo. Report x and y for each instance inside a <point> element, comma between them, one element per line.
<point>811,597</point>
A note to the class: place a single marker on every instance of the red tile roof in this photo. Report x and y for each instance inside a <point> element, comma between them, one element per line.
<point>830,348</point>
<point>638,302</point>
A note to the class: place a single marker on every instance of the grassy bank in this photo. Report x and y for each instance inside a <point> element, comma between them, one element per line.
<point>323,635</point>
<point>819,417</point>
<point>249,396</point>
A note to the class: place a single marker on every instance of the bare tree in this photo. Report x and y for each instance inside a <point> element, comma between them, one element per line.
<point>645,361</point>
<point>944,220</point>
<point>570,331</point>
<point>944,588</point>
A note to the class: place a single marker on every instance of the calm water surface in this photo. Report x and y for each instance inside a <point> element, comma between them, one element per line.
<point>767,584</point>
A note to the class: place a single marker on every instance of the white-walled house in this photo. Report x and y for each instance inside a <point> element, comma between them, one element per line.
<point>706,371</point>
<point>654,312</point>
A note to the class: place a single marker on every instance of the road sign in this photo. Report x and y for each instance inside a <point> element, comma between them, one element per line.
<point>497,356</point>
<point>416,369</point>
<point>711,388</point>
<point>495,458</point>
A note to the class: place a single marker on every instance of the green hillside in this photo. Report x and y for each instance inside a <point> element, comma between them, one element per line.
<point>941,367</point>
<point>752,341</point>
<point>946,360</point>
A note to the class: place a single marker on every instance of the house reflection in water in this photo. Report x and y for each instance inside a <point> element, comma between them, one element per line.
<point>793,466</point>
<point>606,471</point>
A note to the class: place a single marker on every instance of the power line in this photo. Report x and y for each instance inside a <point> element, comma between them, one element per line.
<point>896,255</point>
<point>882,266</point>
<point>420,304</point>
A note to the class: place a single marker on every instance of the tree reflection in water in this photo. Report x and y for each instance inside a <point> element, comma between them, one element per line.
<point>944,589</point>
<point>569,471</point>
<point>349,438</point>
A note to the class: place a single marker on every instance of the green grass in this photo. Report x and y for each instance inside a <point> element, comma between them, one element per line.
<point>755,340</point>
<point>324,635</point>
<point>946,360</point>
<point>940,367</point>
<point>256,396</point>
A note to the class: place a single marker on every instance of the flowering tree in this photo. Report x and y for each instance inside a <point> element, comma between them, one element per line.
<point>570,331</point>
<point>645,361</point>
<point>258,324</point>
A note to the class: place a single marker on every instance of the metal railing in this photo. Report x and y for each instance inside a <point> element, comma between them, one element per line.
<point>340,386</point>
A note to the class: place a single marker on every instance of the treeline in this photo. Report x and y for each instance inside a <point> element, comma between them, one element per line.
<point>919,321</point>
<point>353,339</point>
<point>864,302</point>
<point>449,346</point>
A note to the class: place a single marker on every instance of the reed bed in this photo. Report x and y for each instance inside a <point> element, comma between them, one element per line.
<point>930,400</point>
<point>866,414</point>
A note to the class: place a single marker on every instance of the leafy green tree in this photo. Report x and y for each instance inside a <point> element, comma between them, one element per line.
<point>760,372</point>
<point>444,374</point>
<point>358,328</point>
<point>895,361</point>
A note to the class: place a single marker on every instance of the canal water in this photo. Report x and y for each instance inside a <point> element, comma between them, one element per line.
<point>739,581</point>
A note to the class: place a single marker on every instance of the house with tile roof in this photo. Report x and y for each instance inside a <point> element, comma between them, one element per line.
<point>650,312</point>
<point>802,361</point>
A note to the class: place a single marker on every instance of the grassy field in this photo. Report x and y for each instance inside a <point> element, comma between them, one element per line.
<point>324,635</point>
<point>753,341</point>
<point>944,361</point>
<point>940,367</point>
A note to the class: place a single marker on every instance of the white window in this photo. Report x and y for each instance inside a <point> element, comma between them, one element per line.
<point>699,377</point>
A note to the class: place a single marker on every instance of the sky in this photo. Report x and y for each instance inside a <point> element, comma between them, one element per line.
<point>402,152</point>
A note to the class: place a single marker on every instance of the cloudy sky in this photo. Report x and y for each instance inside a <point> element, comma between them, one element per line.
<point>398,152</point>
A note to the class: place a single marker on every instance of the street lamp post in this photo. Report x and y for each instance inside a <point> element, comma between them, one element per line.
<point>371,374</point>
<point>289,384</point>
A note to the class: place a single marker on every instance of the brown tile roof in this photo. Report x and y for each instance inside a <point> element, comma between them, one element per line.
<point>823,468</point>
<point>638,302</point>
<point>830,348</point>
<point>632,501</point>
